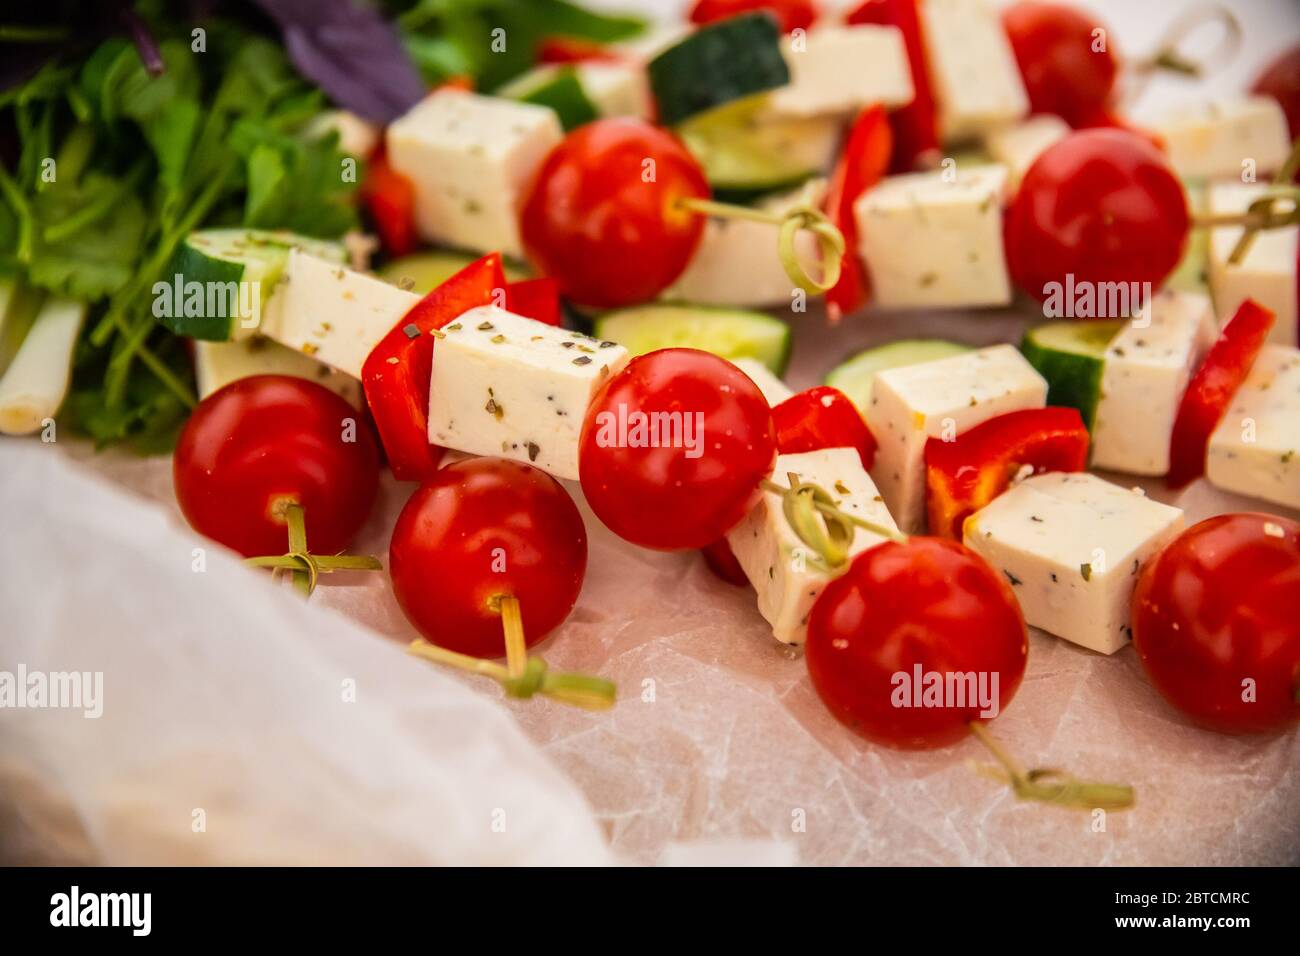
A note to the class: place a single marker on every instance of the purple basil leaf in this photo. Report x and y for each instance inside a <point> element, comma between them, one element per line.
<point>350,52</point>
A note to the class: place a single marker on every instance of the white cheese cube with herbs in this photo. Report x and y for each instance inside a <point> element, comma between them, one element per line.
<point>1072,547</point>
<point>332,314</point>
<point>1223,139</point>
<point>973,71</point>
<point>1018,145</point>
<point>786,574</point>
<point>737,261</point>
<point>839,69</point>
<point>934,240</point>
<point>1266,273</point>
<point>773,389</point>
<point>471,160</point>
<point>512,387</point>
<point>217,364</point>
<point>1255,450</point>
<point>939,399</point>
<point>1145,372</point>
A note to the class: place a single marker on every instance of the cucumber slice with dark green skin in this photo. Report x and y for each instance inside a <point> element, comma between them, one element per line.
<point>219,261</point>
<point>743,150</point>
<point>730,333</point>
<point>1071,356</point>
<point>422,272</point>
<point>558,87</point>
<point>716,64</point>
<point>854,377</point>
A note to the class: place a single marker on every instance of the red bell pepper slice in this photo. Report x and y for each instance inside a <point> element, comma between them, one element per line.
<point>396,372</point>
<point>1212,388</point>
<point>789,14</point>
<point>916,125</point>
<point>964,475</point>
<point>560,49</point>
<point>863,163</point>
<point>535,298</point>
<point>721,560</point>
<point>390,199</point>
<point>822,417</point>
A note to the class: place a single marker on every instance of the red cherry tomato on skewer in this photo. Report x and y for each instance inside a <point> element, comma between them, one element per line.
<point>721,560</point>
<point>789,14</point>
<point>688,491</point>
<point>1056,47</point>
<point>1210,392</point>
<point>480,530</point>
<point>1100,206</point>
<point>602,218</point>
<point>930,604</point>
<point>1215,623</point>
<point>1281,80</point>
<point>267,441</point>
<point>822,417</point>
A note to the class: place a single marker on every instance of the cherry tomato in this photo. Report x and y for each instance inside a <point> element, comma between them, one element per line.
<point>721,560</point>
<point>1100,206</point>
<point>479,530</point>
<point>790,14</point>
<point>602,218</point>
<point>674,447</point>
<point>1281,80</point>
<point>270,440</point>
<point>1215,623</point>
<point>1064,72</point>
<point>822,417</point>
<point>930,604</point>
<point>1210,391</point>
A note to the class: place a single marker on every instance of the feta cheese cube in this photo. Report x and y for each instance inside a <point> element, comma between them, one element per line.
<point>331,313</point>
<point>934,240</point>
<point>1146,370</point>
<point>472,160</point>
<point>1072,546</point>
<point>1267,273</point>
<point>616,89</point>
<point>1018,145</point>
<point>939,399</point>
<point>737,263</point>
<point>972,68</point>
<point>838,69</point>
<point>1255,450</point>
<point>1216,139</point>
<point>217,364</point>
<point>773,389</point>
<point>786,575</point>
<point>509,386</point>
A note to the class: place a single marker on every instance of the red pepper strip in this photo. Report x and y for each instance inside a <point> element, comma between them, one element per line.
<point>558,49</point>
<point>863,163</point>
<point>964,475</point>
<point>390,199</point>
<point>722,562</point>
<point>397,370</point>
<point>822,417</point>
<point>789,14</point>
<point>1212,388</point>
<point>535,298</point>
<point>916,125</point>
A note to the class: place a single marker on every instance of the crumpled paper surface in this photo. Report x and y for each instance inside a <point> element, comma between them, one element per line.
<point>718,735</point>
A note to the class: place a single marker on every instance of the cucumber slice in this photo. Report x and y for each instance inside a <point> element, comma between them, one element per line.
<point>1193,273</point>
<point>1071,355</point>
<point>745,149</point>
<point>558,87</point>
<point>731,333</point>
<point>717,63</point>
<point>854,377</point>
<point>206,296</point>
<point>422,272</point>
